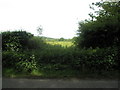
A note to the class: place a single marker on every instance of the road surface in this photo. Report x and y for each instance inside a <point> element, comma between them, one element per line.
<point>58,83</point>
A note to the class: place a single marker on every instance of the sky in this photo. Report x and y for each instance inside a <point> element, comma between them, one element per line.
<point>59,18</point>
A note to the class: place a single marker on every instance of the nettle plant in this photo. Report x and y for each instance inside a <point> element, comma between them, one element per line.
<point>27,63</point>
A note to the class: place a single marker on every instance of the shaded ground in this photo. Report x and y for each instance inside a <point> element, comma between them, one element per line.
<point>58,83</point>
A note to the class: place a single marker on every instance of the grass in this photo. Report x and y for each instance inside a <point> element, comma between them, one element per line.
<point>61,74</point>
<point>62,43</point>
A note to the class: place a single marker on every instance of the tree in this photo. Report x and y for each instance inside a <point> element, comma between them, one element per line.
<point>103,29</point>
<point>61,39</point>
<point>39,30</point>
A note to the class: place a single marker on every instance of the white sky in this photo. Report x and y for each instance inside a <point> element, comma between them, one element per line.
<point>59,18</point>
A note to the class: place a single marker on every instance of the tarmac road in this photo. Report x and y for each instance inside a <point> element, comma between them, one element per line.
<point>58,83</point>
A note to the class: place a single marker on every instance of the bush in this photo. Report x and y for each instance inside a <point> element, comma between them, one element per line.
<point>9,59</point>
<point>96,59</point>
<point>35,43</point>
<point>20,62</point>
<point>18,47</point>
<point>15,41</point>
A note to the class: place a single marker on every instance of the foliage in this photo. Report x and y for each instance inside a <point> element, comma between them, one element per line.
<point>61,39</point>
<point>56,58</point>
<point>49,57</point>
<point>36,43</point>
<point>15,41</point>
<point>102,31</point>
<point>96,59</point>
<point>98,51</point>
<point>20,62</point>
<point>54,39</point>
<point>17,50</point>
<point>79,59</point>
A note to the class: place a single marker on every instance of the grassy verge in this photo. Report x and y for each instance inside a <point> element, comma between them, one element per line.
<point>58,74</point>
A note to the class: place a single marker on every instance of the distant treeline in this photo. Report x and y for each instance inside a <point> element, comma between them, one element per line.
<point>55,39</point>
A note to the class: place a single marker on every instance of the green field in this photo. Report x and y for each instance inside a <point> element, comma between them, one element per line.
<point>62,43</point>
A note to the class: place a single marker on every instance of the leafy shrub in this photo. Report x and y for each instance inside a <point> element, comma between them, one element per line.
<point>27,64</point>
<point>96,60</point>
<point>19,61</point>
<point>53,55</point>
<point>9,59</point>
<point>15,41</point>
<point>35,43</point>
